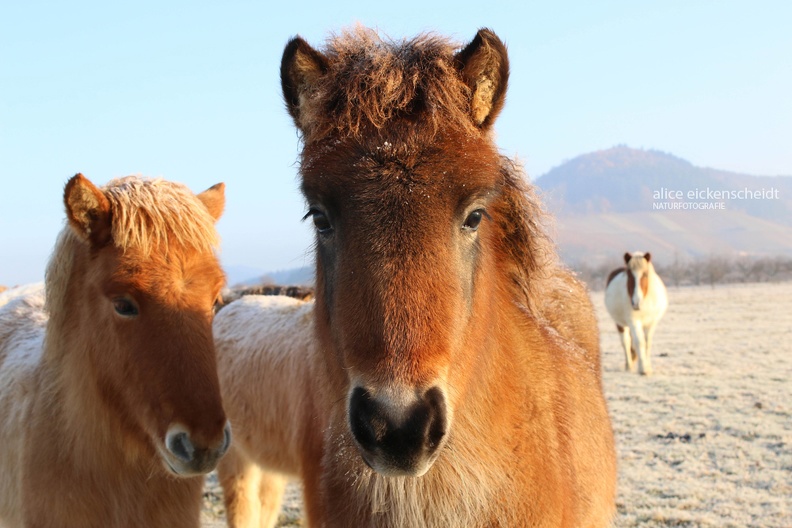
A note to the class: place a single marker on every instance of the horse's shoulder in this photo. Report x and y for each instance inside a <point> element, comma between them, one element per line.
<point>21,291</point>
<point>257,306</point>
<point>22,322</point>
<point>22,326</point>
<point>655,277</point>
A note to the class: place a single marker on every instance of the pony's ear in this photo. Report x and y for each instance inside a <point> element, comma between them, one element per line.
<point>214,199</point>
<point>627,258</point>
<point>88,211</point>
<point>301,68</point>
<point>648,256</point>
<point>484,65</point>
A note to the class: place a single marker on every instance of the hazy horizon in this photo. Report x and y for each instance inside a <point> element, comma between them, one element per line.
<point>190,92</point>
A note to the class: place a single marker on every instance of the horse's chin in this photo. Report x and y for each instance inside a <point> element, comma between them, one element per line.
<point>383,467</point>
<point>177,468</point>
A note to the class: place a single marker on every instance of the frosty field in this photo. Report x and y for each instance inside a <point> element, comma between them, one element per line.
<point>707,440</point>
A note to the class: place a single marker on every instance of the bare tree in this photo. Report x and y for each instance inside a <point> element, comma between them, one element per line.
<point>674,272</point>
<point>744,266</point>
<point>712,270</point>
<point>715,268</point>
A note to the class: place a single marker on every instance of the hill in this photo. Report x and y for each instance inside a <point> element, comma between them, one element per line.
<point>623,199</point>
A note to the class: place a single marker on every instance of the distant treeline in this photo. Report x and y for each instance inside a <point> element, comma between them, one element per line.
<point>709,270</point>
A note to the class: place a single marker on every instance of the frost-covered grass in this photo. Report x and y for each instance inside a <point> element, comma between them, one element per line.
<point>707,440</point>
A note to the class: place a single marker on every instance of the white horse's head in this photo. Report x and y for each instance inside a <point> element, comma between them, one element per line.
<point>639,266</point>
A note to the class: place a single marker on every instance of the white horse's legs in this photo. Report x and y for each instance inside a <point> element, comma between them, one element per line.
<point>639,338</point>
<point>624,334</point>
<point>649,330</point>
<point>252,496</point>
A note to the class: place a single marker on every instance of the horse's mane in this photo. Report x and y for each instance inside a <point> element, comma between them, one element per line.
<point>371,81</point>
<point>147,215</point>
<point>529,251</point>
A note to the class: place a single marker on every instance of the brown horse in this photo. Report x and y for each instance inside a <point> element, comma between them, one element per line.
<point>109,389</point>
<point>454,380</point>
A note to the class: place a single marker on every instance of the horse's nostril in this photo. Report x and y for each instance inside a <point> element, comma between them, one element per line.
<point>438,418</point>
<point>226,439</point>
<point>366,417</point>
<point>181,446</point>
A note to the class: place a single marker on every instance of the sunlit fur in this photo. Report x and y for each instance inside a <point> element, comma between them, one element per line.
<point>408,300</point>
<point>636,299</point>
<point>86,394</point>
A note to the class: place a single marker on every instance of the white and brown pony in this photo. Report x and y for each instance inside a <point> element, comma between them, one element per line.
<point>448,372</point>
<point>110,406</point>
<point>636,299</point>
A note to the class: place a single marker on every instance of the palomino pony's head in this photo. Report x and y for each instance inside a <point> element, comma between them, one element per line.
<point>133,281</point>
<point>414,210</point>
<point>639,266</point>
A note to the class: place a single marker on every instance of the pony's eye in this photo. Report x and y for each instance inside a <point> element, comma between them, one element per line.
<point>473,220</point>
<point>125,307</point>
<point>320,221</point>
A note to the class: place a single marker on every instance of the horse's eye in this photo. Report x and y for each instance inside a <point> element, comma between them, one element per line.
<point>125,307</point>
<point>321,222</point>
<point>473,220</point>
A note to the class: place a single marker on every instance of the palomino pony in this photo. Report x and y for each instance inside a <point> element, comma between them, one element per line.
<point>636,299</point>
<point>447,374</point>
<point>108,382</point>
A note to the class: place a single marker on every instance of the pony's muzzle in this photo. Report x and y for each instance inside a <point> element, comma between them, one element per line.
<point>186,456</point>
<point>398,438</point>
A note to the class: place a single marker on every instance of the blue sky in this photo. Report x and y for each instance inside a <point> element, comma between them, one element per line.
<point>189,91</point>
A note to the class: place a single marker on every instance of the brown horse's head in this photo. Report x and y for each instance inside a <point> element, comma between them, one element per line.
<point>407,192</point>
<point>135,291</point>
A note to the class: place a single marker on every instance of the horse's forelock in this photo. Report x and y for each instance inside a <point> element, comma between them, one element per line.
<point>638,263</point>
<point>151,213</point>
<point>372,81</point>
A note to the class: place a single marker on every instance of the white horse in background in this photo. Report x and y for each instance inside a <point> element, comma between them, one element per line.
<point>636,299</point>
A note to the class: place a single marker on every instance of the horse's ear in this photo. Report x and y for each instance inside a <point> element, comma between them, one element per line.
<point>301,68</point>
<point>88,211</point>
<point>627,258</point>
<point>484,65</point>
<point>648,256</point>
<point>214,199</point>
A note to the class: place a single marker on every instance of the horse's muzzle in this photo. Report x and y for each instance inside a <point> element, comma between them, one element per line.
<point>398,439</point>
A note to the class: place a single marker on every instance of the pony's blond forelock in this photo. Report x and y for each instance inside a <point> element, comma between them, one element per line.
<point>151,213</point>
